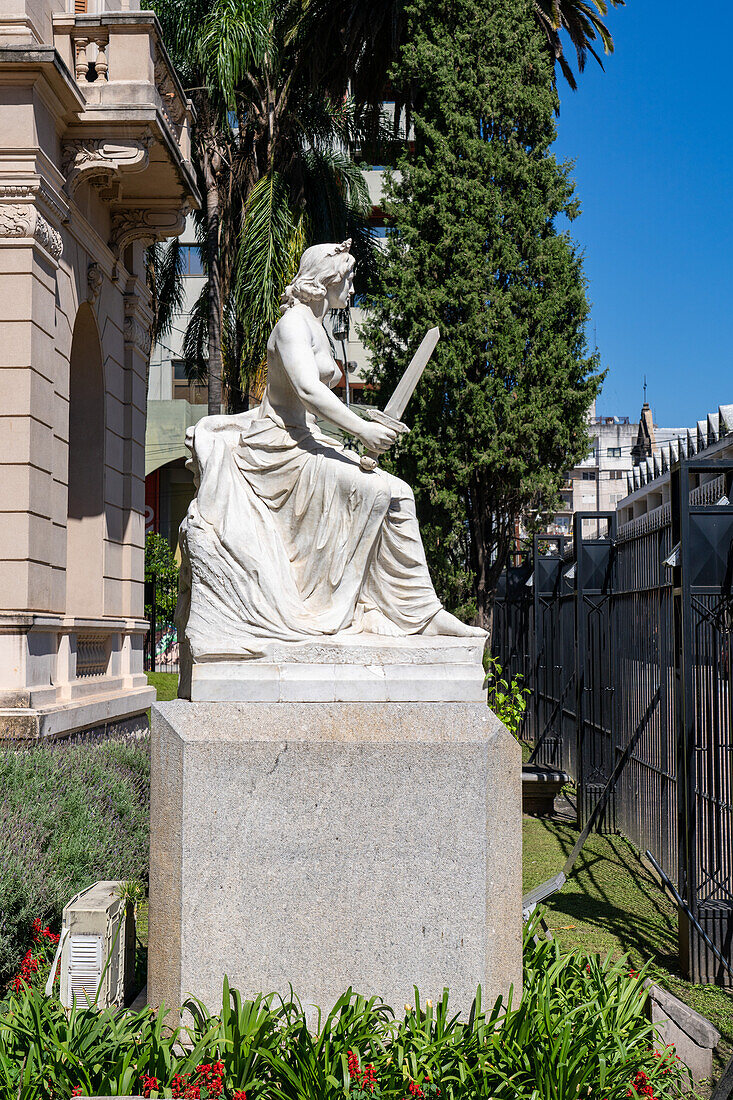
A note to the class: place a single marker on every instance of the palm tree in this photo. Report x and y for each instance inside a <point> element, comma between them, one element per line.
<point>271,143</point>
<point>583,25</point>
<point>355,44</point>
<point>271,153</point>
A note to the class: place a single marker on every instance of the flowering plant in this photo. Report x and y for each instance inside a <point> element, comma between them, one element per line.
<point>36,964</point>
<point>205,1083</point>
<point>363,1083</point>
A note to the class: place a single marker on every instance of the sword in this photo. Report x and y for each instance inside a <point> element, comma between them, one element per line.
<point>404,390</point>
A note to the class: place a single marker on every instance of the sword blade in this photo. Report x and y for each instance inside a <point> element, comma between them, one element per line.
<point>406,385</point>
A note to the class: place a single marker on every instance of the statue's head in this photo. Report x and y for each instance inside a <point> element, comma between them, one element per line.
<point>325,271</point>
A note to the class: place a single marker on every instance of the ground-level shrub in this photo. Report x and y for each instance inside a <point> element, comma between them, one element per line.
<point>70,813</point>
<point>579,1031</point>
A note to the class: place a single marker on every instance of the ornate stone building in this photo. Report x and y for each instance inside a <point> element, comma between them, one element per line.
<point>94,165</point>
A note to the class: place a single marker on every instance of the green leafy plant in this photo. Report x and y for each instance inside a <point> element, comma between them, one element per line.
<point>161,566</point>
<point>580,1029</point>
<point>507,698</point>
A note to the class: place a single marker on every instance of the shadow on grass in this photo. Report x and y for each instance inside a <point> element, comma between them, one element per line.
<point>611,903</point>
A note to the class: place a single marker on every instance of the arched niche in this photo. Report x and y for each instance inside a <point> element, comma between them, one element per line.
<point>85,523</point>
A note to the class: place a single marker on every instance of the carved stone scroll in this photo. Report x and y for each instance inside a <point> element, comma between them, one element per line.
<point>95,278</point>
<point>102,160</point>
<point>133,224</point>
<point>23,220</point>
<point>135,332</point>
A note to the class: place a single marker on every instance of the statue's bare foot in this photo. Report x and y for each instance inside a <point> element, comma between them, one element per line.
<point>375,622</point>
<point>447,624</point>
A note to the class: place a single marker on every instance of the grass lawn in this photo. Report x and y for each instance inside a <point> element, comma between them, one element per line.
<point>611,903</point>
<point>165,683</point>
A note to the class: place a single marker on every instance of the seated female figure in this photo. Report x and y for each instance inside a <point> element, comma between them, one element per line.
<point>288,537</point>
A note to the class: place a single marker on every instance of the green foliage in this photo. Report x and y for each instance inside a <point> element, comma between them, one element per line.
<point>499,414</point>
<point>271,148</point>
<point>161,566</point>
<point>507,698</point>
<point>580,20</point>
<point>580,1030</point>
<point>70,814</point>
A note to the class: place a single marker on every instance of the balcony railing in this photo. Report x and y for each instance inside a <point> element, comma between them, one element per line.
<point>119,60</point>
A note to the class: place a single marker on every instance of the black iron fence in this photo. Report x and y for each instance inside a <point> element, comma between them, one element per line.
<point>161,642</point>
<point>624,638</point>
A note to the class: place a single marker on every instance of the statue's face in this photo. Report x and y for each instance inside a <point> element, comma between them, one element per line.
<point>341,291</point>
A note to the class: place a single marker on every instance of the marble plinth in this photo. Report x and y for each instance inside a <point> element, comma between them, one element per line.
<point>328,845</point>
<point>349,668</point>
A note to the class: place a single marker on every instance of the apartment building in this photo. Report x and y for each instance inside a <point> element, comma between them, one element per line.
<point>599,482</point>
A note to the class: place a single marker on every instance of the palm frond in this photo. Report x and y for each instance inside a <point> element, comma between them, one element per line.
<point>180,22</point>
<point>195,339</point>
<point>582,21</point>
<point>272,236</point>
<point>232,39</point>
<point>165,280</point>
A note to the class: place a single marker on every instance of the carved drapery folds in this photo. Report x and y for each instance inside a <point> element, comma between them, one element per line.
<point>135,224</point>
<point>103,160</point>
<point>22,219</point>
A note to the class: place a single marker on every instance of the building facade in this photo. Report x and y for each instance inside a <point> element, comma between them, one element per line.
<point>95,166</point>
<point>648,484</point>
<point>599,482</point>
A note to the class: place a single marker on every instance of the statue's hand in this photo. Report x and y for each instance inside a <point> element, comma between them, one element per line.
<point>377,437</point>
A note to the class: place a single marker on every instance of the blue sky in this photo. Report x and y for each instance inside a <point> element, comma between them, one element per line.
<point>651,141</point>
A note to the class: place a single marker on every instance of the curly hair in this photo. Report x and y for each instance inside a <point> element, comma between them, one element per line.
<point>320,266</point>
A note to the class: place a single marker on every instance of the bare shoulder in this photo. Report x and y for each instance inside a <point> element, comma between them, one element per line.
<point>292,328</point>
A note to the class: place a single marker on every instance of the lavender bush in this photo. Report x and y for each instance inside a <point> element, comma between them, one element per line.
<point>70,813</point>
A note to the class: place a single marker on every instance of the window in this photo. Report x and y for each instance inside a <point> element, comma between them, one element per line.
<point>614,452</point>
<point>179,370</point>
<point>588,475</point>
<point>191,260</point>
<point>616,475</point>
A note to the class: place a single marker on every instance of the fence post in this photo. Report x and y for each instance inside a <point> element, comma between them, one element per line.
<point>703,609</point>
<point>581,647</point>
<point>153,630</point>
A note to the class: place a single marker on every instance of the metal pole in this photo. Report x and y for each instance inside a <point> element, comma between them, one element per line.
<point>581,646</point>
<point>346,373</point>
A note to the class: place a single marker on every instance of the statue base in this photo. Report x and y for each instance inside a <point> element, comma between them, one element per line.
<point>347,668</point>
<point>329,845</point>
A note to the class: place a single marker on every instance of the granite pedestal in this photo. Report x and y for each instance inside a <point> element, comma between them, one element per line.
<point>333,844</point>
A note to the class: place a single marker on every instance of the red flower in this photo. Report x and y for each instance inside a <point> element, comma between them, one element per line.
<point>76,1091</point>
<point>353,1063</point>
<point>148,1083</point>
<point>369,1080</point>
<point>239,1094</point>
<point>415,1089</point>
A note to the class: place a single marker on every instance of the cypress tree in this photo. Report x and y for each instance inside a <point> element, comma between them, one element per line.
<point>500,413</point>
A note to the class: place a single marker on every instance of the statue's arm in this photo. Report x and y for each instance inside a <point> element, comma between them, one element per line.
<point>293,343</point>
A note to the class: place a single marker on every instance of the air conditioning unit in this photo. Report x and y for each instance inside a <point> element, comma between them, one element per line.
<point>97,948</point>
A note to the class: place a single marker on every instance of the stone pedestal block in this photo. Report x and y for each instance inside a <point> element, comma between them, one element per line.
<point>325,845</point>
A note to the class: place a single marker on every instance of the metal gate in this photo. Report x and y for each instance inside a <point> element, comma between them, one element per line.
<point>624,637</point>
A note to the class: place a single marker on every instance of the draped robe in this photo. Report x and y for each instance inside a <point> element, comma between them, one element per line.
<point>288,538</point>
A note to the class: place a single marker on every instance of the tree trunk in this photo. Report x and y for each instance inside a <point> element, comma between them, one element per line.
<point>215,305</point>
<point>489,541</point>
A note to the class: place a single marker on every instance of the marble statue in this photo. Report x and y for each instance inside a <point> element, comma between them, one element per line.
<point>289,539</point>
